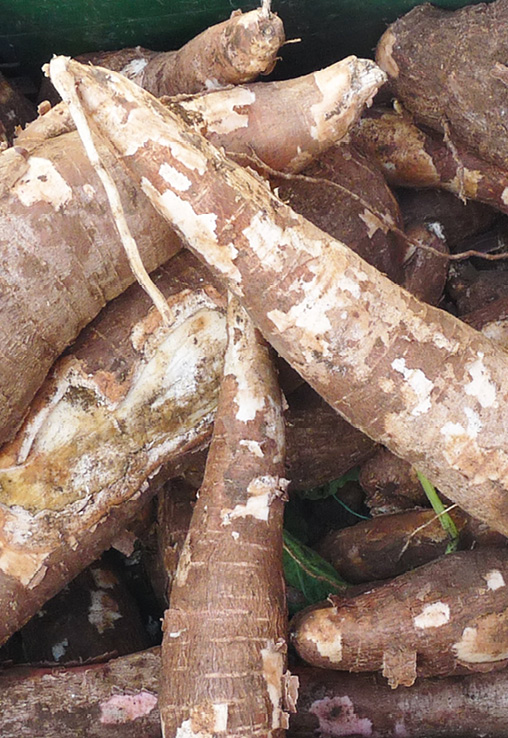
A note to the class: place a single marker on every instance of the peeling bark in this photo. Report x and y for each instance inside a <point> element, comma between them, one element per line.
<point>237,119</point>
<point>229,53</point>
<point>93,615</point>
<point>132,395</point>
<point>446,617</point>
<point>224,648</point>
<point>346,195</point>
<point>429,387</point>
<point>119,700</point>
<point>63,257</point>
<point>411,157</point>
<point>336,704</point>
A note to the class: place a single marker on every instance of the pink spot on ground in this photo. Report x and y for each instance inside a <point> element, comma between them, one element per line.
<point>122,708</point>
<point>337,718</point>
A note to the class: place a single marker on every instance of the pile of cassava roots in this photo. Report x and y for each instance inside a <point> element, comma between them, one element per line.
<point>254,388</point>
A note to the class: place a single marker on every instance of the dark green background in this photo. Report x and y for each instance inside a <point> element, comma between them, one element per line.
<point>32,30</point>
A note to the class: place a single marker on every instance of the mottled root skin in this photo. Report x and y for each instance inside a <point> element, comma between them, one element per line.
<point>113,411</point>
<point>438,387</point>
<point>411,157</point>
<point>359,210</point>
<point>446,617</point>
<point>338,704</point>
<point>87,450</point>
<point>387,545</point>
<point>448,69</point>
<point>76,263</point>
<point>62,259</point>
<point>229,53</point>
<point>223,652</point>
<point>93,615</point>
<point>119,700</point>
<point>327,106</point>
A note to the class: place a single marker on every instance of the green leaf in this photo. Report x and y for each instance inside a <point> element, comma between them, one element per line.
<point>327,490</point>
<point>308,572</point>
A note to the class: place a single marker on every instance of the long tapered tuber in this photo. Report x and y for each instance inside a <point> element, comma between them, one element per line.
<point>446,617</point>
<point>223,653</point>
<point>229,53</point>
<point>429,387</point>
<point>57,277</point>
<point>118,699</point>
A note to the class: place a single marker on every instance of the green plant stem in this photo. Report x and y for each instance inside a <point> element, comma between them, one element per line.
<point>440,510</point>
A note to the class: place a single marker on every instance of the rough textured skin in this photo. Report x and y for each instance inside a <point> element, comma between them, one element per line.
<point>460,221</point>
<point>425,273</point>
<point>229,53</point>
<point>387,545</point>
<point>390,483</point>
<point>115,700</point>
<point>62,259</point>
<point>236,119</point>
<point>321,445</point>
<point>360,211</point>
<point>132,395</point>
<point>438,388</point>
<point>93,615</point>
<point>471,289</point>
<point>53,293</point>
<point>412,157</point>
<point>448,69</point>
<point>446,617</point>
<point>223,651</point>
<point>335,704</point>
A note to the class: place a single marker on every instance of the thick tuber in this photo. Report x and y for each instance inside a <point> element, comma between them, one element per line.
<point>446,617</point>
<point>429,387</point>
<point>224,648</point>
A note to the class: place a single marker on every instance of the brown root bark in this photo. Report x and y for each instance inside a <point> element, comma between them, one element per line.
<point>15,110</point>
<point>223,652</point>
<point>346,196</point>
<point>388,545</point>
<point>133,395</point>
<point>446,69</point>
<point>93,615</point>
<point>59,276</point>
<point>229,53</point>
<point>321,445</point>
<point>237,119</point>
<point>334,703</point>
<point>438,387</point>
<point>62,259</point>
<point>446,617</point>
<point>411,157</point>
<point>119,700</point>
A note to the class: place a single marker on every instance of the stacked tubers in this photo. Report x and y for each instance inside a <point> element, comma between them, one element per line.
<point>258,242</point>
